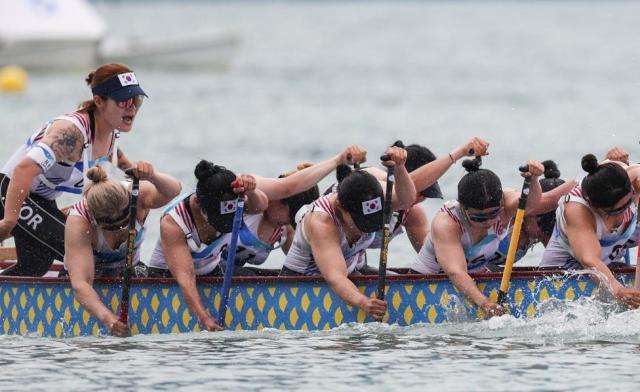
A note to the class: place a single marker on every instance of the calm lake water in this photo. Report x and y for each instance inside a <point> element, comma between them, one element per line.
<point>537,79</point>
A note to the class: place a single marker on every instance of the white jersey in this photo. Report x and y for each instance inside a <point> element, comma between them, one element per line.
<point>206,257</point>
<point>103,255</point>
<point>58,176</point>
<point>300,258</point>
<point>251,249</point>
<point>613,244</point>
<point>477,254</point>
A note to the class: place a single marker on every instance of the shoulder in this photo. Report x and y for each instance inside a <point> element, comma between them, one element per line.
<point>318,225</point>
<point>578,215</point>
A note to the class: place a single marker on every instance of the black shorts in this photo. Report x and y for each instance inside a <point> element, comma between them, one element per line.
<point>39,234</point>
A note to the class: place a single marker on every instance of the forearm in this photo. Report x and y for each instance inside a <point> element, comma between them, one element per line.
<point>405,190</point>
<point>166,185</point>
<point>300,181</point>
<point>346,290</point>
<point>535,194</point>
<point>464,283</point>
<point>593,263</point>
<point>89,299</point>
<point>18,191</point>
<point>189,290</point>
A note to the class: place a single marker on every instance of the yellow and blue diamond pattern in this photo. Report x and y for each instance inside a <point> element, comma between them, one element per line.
<point>49,309</point>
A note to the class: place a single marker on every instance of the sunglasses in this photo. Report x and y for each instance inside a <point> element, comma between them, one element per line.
<point>484,216</point>
<point>133,101</point>
<point>619,210</point>
<point>118,224</point>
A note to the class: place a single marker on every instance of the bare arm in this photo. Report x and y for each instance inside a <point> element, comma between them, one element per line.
<point>426,175</point>
<point>417,226</point>
<point>158,190</point>
<point>290,234</point>
<point>549,200</point>
<point>180,264</point>
<point>79,262</point>
<point>405,192</point>
<point>324,239</point>
<point>450,255</point>
<point>300,181</point>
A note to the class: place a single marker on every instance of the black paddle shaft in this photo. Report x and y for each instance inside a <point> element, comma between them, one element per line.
<point>131,239</point>
<point>386,231</point>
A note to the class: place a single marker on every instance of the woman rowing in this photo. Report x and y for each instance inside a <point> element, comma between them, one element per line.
<point>54,160</point>
<point>538,224</point>
<point>263,232</point>
<point>337,229</point>
<point>195,229</point>
<point>597,222</point>
<point>96,233</point>
<point>424,169</point>
<point>466,232</point>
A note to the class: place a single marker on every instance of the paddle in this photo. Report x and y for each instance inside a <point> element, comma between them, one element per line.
<point>131,239</point>
<point>231,255</point>
<point>515,238</point>
<point>386,231</point>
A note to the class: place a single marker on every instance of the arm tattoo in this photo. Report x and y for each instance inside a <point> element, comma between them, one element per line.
<point>68,143</point>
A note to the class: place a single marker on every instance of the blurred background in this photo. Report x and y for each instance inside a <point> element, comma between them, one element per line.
<point>261,86</point>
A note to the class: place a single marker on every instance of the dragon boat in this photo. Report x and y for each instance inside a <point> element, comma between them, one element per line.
<point>46,306</point>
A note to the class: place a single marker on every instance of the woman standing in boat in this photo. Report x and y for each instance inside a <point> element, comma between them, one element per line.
<point>53,161</point>
<point>337,229</point>
<point>96,233</point>
<point>466,232</point>
<point>194,230</point>
<point>597,222</point>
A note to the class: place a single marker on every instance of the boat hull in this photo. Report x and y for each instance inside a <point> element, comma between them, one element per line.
<point>46,306</point>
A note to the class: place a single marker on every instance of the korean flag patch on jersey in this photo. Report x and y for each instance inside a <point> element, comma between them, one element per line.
<point>372,206</point>
<point>228,206</point>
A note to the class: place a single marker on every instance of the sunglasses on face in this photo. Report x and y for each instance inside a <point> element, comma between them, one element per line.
<point>619,210</point>
<point>484,216</point>
<point>133,101</point>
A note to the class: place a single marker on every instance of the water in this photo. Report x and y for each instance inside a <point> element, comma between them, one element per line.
<point>537,79</point>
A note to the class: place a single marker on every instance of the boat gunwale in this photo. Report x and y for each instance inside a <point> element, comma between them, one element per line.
<point>520,273</point>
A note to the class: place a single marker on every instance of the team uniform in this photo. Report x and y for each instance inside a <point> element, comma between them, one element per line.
<point>251,249</point>
<point>477,255</point>
<point>39,233</point>
<point>108,261</point>
<point>613,244</point>
<point>206,257</point>
<point>300,261</point>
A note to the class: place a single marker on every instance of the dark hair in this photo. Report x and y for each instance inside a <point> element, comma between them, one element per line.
<point>606,184</point>
<point>298,200</point>
<point>342,171</point>
<point>214,186</point>
<point>353,190</point>
<point>101,74</point>
<point>551,180</point>
<point>479,188</point>
<point>417,156</point>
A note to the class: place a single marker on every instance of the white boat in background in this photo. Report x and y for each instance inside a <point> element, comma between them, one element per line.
<point>70,34</point>
<point>45,34</point>
<point>204,50</point>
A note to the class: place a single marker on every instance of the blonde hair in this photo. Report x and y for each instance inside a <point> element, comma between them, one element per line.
<point>106,198</point>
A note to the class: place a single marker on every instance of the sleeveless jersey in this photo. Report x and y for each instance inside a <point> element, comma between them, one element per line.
<point>477,255</point>
<point>250,248</point>
<point>61,176</point>
<point>206,257</point>
<point>300,258</point>
<point>613,245</point>
<point>103,255</point>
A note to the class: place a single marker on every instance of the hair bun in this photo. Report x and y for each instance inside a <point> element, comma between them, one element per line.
<point>398,143</point>
<point>342,171</point>
<point>551,169</point>
<point>205,169</point>
<point>471,165</point>
<point>97,174</point>
<point>89,78</point>
<point>590,163</point>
